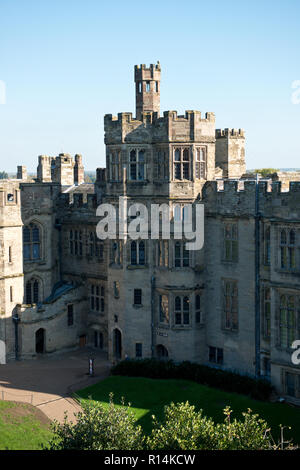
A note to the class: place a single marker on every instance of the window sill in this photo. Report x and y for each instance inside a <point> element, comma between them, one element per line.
<point>182,327</point>
<point>229,261</point>
<point>230,330</point>
<point>137,306</point>
<point>138,182</point>
<point>137,266</point>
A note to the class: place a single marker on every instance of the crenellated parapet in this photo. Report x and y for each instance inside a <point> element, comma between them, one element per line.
<point>74,201</point>
<point>230,133</point>
<point>151,128</point>
<point>230,152</point>
<point>238,198</point>
<point>61,169</point>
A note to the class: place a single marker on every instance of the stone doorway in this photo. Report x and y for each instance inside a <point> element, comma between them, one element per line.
<point>117,344</point>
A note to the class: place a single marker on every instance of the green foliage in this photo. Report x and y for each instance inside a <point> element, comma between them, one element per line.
<point>3,175</point>
<point>185,429</point>
<point>224,380</point>
<point>98,428</point>
<point>264,172</point>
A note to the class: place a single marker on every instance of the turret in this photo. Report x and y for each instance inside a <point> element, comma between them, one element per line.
<point>230,152</point>
<point>147,89</point>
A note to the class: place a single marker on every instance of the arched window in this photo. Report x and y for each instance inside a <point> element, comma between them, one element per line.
<point>32,292</point>
<point>161,352</point>
<point>31,242</point>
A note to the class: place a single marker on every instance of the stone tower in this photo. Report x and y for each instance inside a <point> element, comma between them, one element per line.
<point>11,266</point>
<point>147,91</point>
<point>230,152</point>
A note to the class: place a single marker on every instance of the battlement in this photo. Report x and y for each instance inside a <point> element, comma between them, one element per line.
<point>269,188</point>
<point>170,127</point>
<point>61,169</point>
<point>77,200</point>
<point>230,133</point>
<point>151,67</point>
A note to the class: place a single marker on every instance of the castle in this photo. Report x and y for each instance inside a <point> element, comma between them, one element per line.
<point>234,304</point>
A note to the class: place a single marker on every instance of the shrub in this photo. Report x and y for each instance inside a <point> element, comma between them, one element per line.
<point>185,429</point>
<point>258,389</point>
<point>98,428</point>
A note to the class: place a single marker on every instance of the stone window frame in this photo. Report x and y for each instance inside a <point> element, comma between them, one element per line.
<point>215,355</point>
<point>137,297</point>
<point>230,251</point>
<point>33,241</point>
<point>266,239</point>
<point>181,162</point>
<point>182,256</point>
<point>162,164</point>
<point>287,248</point>
<point>136,247</point>
<point>114,161</point>
<point>181,310</point>
<point>230,309</point>
<point>75,242</point>
<point>116,253</point>
<point>292,333</point>
<point>97,298</point>
<point>200,163</point>
<point>95,246</point>
<point>137,163</point>
<point>266,306</point>
<point>296,375</point>
<point>70,315</point>
<point>138,349</point>
<point>33,291</point>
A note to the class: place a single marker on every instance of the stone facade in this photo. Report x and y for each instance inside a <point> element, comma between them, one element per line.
<point>234,304</point>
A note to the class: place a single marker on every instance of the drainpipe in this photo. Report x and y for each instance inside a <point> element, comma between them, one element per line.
<point>152,316</point>
<point>257,280</point>
<point>16,320</point>
<point>58,227</point>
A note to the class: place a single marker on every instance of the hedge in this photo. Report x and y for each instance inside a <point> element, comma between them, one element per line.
<point>228,381</point>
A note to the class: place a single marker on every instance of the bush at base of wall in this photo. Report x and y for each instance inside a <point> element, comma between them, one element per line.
<point>258,389</point>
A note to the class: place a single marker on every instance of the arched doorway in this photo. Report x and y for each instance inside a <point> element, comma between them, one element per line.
<point>161,352</point>
<point>40,341</point>
<point>117,337</point>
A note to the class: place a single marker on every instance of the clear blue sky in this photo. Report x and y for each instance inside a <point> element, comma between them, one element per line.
<point>66,63</point>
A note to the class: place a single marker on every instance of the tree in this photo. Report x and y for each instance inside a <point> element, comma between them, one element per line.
<point>98,427</point>
<point>264,172</point>
<point>3,175</point>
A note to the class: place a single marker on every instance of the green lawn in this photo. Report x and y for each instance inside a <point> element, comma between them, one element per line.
<point>22,427</point>
<point>148,397</point>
